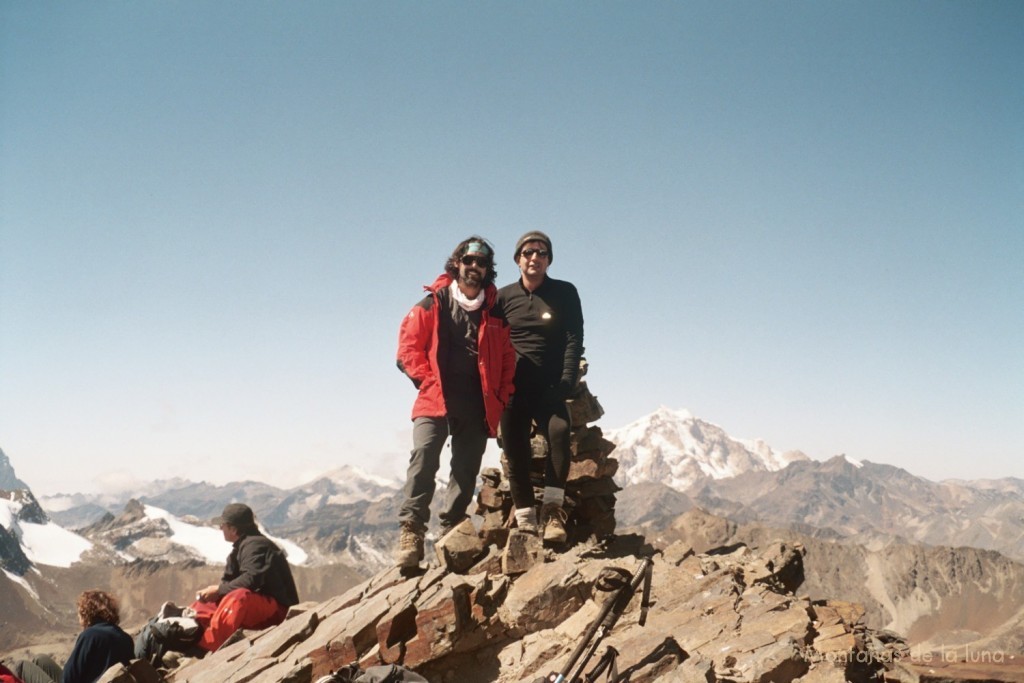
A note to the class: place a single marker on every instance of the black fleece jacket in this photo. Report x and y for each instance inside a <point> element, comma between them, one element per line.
<point>259,565</point>
<point>547,333</point>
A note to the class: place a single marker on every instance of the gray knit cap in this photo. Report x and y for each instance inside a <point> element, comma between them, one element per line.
<point>534,236</point>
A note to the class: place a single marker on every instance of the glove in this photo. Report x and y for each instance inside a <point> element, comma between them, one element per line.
<point>557,393</point>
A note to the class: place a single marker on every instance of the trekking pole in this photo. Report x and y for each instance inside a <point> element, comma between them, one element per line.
<point>610,612</point>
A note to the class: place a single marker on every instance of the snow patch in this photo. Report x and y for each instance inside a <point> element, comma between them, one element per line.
<point>8,513</point>
<point>20,580</point>
<point>209,542</point>
<point>48,544</point>
<point>52,544</point>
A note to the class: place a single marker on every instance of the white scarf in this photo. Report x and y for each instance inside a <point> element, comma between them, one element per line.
<point>464,301</point>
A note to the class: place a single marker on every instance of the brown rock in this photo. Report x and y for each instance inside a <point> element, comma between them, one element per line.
<point>395,629</point>
<point>460,548</point>
<point>703,531</point>
<point>825,672</point>
<point>349,634</point>
<point>493,530</point>
<point>778,661</point>
<point>831,631</point>
<point>589,443</point>
<point>783,565</point>
<point>844,642</point>
<point>491,476</point>
<point>693,670</point>
<point>290,633</point>
<point>522,551</point>
<point>137,671</point>
<point>591,488</point>
<point>490,564</point>
<point>832,611</point>
<point>545,595</point>
<point>490,498</point>
<point>677,552</point>
<point>590,468</point>
<point>584,406</point>
<point>781,617</point>
<point>457,615</point>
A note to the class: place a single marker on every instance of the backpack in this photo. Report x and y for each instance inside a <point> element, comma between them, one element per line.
<point>161,635</point>
<point>388,673</point>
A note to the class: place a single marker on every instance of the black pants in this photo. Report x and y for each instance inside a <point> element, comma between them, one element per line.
<point>535,404</point>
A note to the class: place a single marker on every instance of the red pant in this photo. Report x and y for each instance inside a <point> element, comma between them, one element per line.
<point>7,676</point>
<point>241,608</point>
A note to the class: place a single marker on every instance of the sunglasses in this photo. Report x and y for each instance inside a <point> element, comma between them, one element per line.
<point>529,253</point>
<point>481,261</point>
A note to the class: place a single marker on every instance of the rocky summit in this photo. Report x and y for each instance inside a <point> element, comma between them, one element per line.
<point>728,614</point>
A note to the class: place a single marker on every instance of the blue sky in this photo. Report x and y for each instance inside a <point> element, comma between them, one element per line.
<point>801,221</point>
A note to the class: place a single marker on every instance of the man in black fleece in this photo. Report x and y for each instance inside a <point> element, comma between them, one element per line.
<point>547,332</point>
<point>257,587</point>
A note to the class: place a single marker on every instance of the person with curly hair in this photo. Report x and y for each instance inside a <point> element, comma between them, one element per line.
<point>99,646</point>
<point>456,349</point>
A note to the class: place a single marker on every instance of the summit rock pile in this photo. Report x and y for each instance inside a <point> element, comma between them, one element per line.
<point>728,614</point>
<point>589,490</point>
<point>589,500</point>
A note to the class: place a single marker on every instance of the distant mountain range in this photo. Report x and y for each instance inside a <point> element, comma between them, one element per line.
<point>864,502</point>
<point>273,506</point>
<point>669,462</point>
<point>349,513</point>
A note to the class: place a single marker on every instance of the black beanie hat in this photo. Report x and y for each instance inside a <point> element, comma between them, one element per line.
<point>534,236</point>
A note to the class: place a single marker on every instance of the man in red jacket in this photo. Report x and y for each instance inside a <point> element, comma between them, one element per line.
<point>455,347</point>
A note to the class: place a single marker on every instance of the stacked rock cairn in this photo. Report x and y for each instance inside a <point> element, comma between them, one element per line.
<point>589,491</point>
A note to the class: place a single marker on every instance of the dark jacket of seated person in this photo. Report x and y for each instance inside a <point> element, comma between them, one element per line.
<point>99,646</point>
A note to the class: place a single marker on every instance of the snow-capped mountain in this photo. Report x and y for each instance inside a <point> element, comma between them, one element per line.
<point>145,532</point>
<point>677,449</point>
<point>142,532</point>
<point>28,537</point>
<point>336,517</point>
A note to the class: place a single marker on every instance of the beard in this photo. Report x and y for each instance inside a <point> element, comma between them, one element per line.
<point>472,277</point>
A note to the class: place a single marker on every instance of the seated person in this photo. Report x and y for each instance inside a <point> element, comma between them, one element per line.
<point>256,589</point>
<point>99,646</point>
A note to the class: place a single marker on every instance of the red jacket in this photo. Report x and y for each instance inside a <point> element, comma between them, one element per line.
<point>417,355</point>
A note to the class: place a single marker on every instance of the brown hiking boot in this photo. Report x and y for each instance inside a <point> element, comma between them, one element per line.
<point>409,552</point>
<point>552,520</point>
